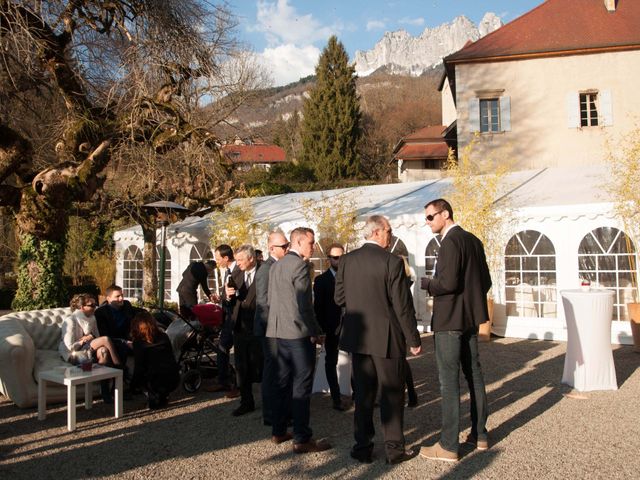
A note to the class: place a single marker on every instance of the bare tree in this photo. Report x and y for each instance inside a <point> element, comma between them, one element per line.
<point>123,79</point>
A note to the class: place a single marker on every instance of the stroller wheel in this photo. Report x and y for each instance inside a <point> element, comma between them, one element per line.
<point>191,381</point>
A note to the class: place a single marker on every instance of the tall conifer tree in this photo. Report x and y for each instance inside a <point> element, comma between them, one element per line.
<point>331,126</point>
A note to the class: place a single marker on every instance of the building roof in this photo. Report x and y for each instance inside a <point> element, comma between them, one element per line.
<point>254,153</point>
<point>421,151</point>
<point>426,133</point>
<point>559,27</point>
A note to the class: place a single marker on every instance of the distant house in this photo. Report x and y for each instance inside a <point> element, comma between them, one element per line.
<point>550,87</point>
<point>422,154</point>
<point>256,155</point>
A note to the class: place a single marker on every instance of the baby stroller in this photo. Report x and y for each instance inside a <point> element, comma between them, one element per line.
<point>196,345</point>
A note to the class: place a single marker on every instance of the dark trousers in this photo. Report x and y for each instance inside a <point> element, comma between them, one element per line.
<point>389,373</point>
<point>296,360</point>
<point>225,342</point>
<point>248,360</point>
<point>330,363</point>
<point>269,369</point>
<point>456,349</point>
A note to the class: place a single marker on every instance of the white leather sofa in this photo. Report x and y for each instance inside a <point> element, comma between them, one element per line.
<point>28,345</point>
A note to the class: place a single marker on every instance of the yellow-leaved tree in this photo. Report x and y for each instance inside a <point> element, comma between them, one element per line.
<point>236,225</point>
<point>334,218</point>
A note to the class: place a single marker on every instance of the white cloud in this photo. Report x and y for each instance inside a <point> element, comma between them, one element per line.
<point>288,63</point>
<point>282,24</point>
<point>416,22</point>
<point>375,25</point>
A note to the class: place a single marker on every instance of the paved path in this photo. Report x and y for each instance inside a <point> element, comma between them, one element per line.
<point>537,432</point>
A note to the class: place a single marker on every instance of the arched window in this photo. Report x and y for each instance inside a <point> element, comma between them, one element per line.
<point>431,255</point>
<point>202,251</point>
<point>606,257</point>
<point>167,271</point>
<point>530,275</point>
<point>132,272</point>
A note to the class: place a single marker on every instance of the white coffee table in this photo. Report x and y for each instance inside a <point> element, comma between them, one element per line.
<point>78,377</point>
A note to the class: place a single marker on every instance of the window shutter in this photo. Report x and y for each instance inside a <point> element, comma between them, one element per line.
<point>573,110</point>
<point>474,115</point>
<point>505,114</point>
<point>606,108</point>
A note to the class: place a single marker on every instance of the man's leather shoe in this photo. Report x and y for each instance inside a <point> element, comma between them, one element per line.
<point>311,446</point>
<point>216,387</point>
<point>281,438</point>
<point>242,409</point>
<point>480,444</point>
<point>436,452</point>
<point>362,456</point>
<point>413,401</point>
<point>403,457</point>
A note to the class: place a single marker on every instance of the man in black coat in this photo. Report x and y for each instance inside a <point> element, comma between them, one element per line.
<point>329,316</point>
<point>247,348</point>
<point>459,287</point>
<point>195,275</point>
<point>379,321</point>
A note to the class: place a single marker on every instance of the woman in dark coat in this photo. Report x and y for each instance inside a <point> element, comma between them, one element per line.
<point>156,371</point>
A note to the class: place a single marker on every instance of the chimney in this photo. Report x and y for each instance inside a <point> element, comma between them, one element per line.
<point>610,5</point>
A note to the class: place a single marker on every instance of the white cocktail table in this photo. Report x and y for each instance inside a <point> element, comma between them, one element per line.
<point>74,378</point>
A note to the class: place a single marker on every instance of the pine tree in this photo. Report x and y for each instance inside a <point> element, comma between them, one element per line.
<point>331,126</point>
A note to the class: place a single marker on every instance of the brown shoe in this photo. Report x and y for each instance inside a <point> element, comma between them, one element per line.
<point>233,393</point>
<point>278,439</point>
<point>216,387</point>
<point>480,444</point>
<point>311,446</point>
<point>436,452</point>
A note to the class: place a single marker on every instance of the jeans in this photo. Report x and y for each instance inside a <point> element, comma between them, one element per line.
<point>455,349</point>
<point>295,361</point>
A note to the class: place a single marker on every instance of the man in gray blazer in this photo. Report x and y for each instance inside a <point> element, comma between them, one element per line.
<point>293,325</point>
<point>278,245</point>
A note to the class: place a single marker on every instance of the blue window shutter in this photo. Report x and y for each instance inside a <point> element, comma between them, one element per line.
<point>573,110</point>
<point>474,115</point>
<point>505,114</point>
<point>606,108</point>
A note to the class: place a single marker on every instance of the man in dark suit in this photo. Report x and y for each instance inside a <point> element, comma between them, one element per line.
<point>277,245</point>
<point>329,317</point>
<point>195,275</point>
<point>246,346</point>
<point>293,325</point>
<point>459,287</point>
<point>379,321</point>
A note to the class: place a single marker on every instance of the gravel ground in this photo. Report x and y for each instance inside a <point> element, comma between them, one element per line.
<point>536,431</point>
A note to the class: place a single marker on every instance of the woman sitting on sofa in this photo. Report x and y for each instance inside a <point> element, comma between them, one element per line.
<point>80,334</point>
<point>156,371</point>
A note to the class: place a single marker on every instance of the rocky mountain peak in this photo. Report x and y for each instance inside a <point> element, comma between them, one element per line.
<point>400,52</point>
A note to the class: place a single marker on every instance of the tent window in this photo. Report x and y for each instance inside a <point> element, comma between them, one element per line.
<point>530,276</point>
<point>132,273</point>
<point>606,256</point>
<point>201,251</point>
<point>431,255</point>
<point>167,271</point>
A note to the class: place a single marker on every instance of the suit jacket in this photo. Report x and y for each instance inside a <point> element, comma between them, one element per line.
<point>327,312</point>
<point>291,313</point>
<point>460,284</point>
<point>242,306</point>
<point>107,322</point>
<point>261,282</point>
<point>379,317</point>
<point>194,275</point>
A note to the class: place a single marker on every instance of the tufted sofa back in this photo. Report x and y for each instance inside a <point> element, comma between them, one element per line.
<point>44,326</point>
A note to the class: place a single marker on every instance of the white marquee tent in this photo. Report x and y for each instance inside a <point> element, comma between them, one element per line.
<point>568,206</point>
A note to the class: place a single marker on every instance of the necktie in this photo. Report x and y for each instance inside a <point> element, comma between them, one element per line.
<point>248,280</point>
<point>227,274</point>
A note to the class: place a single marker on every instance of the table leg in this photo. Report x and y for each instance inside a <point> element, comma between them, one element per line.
<point>71,408</point>
<point>42,399</point>
<point>88,395</point>
<point>119,395</point>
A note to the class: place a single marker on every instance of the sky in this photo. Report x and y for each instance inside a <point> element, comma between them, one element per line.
<point>289,35</point>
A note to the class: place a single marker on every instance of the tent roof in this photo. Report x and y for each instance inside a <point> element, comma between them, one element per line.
<point>548,191</point>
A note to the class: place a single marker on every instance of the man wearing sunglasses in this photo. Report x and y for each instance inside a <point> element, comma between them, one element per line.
<point>459,287</point>
<point>329,317</point>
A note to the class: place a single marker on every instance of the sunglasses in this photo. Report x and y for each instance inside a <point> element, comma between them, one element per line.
<point>429,218</point>
<point>334,257</point>
<point>284,245</point>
